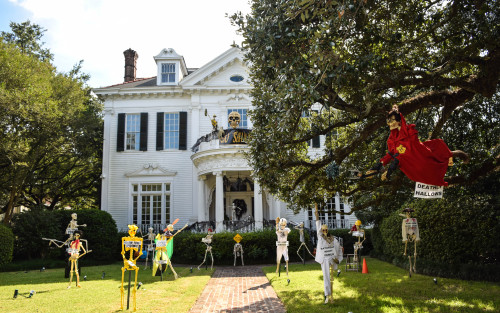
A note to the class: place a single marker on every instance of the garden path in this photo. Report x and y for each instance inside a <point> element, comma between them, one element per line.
<point>238,289</point>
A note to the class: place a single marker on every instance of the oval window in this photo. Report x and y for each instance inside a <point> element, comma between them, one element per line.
<point>236,78</point>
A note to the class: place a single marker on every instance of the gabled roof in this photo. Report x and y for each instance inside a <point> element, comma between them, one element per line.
<point>213,67</point>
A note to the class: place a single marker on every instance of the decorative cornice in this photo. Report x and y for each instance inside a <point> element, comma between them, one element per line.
<point>150,169</point>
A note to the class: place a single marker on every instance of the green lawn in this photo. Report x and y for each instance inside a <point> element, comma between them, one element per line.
<point>386,288</point>
<point>97,294</point>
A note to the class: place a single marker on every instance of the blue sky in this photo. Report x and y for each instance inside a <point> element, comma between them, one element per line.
<point>98,31</point>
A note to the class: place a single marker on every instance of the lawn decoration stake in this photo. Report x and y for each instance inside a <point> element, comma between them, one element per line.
<point>329,253</point>
<point>164,250</point>
<point>238,249</point>
<point>150,247</point>
<point>410,234</point>
<point>300,228</point>
<point>356,231</point>
<point>74,255</point>
<point>207,240</point>
<point>133,245</point>
<point>425,162</point>
<point>282,243</point>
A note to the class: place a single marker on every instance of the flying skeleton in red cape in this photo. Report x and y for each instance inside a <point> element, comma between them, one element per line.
<point>425,162</point>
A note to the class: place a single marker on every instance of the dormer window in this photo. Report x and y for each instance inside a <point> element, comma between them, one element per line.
<point>168,73</point>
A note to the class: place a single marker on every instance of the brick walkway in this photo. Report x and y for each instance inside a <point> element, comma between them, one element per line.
<point>238,289</point>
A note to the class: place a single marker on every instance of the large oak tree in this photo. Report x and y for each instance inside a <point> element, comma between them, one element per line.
<point>335,68</point>
<point>50,128</point>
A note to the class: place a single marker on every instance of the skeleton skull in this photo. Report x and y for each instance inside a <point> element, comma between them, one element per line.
<point>234,119</point>
<point>283,223</point>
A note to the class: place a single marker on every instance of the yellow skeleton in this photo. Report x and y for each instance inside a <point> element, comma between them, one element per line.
<point>133,245</point>
<point>161,254</point>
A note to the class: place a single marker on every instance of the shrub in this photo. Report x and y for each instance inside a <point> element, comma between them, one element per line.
<point>259,247</point>
<point>7,244</point>
<point>456,239</point>
<point>31,226</point>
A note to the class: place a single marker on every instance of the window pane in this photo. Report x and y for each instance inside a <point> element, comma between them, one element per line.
<point>134,209</point>
<point>168,73</point>
<point>243,117</point>
<point>133,131</point>
<point>134,187</point>
<point>167,208</point>
<point>156,209</point>
<point>145,211</point>
<point>167,187</point>
<point>171,131</point>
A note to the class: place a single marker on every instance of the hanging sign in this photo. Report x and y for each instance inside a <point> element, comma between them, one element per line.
<point>235,136</point>
<point>428,191</point>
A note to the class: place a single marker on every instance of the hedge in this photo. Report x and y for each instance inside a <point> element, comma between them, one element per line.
<point>258,247</point>
<point>457,239</point>
<point>7,244</point>
<point>30,227</point>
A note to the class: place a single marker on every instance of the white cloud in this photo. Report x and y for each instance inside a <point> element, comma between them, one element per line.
<point>98,31</point>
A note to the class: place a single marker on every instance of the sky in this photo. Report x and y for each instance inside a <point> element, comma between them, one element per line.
<point>98,31</point>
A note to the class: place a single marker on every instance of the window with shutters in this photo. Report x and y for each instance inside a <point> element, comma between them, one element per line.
<point>171,131</point>
<point>132,131</point>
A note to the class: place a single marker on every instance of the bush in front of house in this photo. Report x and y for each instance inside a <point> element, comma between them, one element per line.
<point>259,247</point>
<point>7,244</point>
<point>31,226</point>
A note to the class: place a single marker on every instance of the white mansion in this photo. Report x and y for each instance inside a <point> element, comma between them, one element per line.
<point>162,161</point>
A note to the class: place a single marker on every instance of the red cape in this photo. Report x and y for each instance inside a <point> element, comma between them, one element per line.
<point>424,162</point>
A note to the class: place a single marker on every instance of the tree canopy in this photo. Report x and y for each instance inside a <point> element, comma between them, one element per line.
<point>50,130</point>
<point>335,68</point>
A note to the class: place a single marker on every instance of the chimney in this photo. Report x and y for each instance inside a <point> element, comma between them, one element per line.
<point>130,64</point>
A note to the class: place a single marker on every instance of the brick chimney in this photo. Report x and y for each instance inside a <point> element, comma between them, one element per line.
<point>130,65</point>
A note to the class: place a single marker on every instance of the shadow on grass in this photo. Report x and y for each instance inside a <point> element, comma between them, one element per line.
<point>385,289</point>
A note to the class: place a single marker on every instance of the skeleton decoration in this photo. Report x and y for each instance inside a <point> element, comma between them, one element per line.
<point>356,231</point>
<point>215,126</point>
<point>164,250</point>
<point>133,245</point>
<point>150,245</point>
<point>282,243</point>
<point>410,234</point>
<point>207,240</point>
<point>234,119</point>
<point>329,253</point>
<point>300,228</point>
<point>425,162</point>
<point>238,249</point>
<point>74,255</point>
<point>70,230</point>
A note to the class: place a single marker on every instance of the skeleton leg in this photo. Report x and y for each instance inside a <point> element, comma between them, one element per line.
<point>212,257</point>
<point>77,274</point>
<point>204,258</point>
<point>406,243</point>
<point>415,259</point>
<point>134,291</point>
<point>172,268</point>
<point>71,272</point>
<point>331,281</point>
<point>325,267</point>
<point>122,290</point>
<point>302,244</point>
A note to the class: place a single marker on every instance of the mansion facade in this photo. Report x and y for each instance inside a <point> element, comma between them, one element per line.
<point>165,156</point>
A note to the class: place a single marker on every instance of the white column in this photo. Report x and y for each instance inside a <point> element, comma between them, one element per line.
<point>106,150</point>
<point>257,194</point>
<point>201,199</point>
<point>219,202</point>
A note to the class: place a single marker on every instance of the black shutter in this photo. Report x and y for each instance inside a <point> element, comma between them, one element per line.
<point>143,144</point>
<point>315,140</point>
<point>160,117</point>
<point>182,130</point>
<point>120,139</point>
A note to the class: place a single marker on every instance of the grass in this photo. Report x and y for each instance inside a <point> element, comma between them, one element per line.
<point>97,294</point>
<point>386,288</point>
